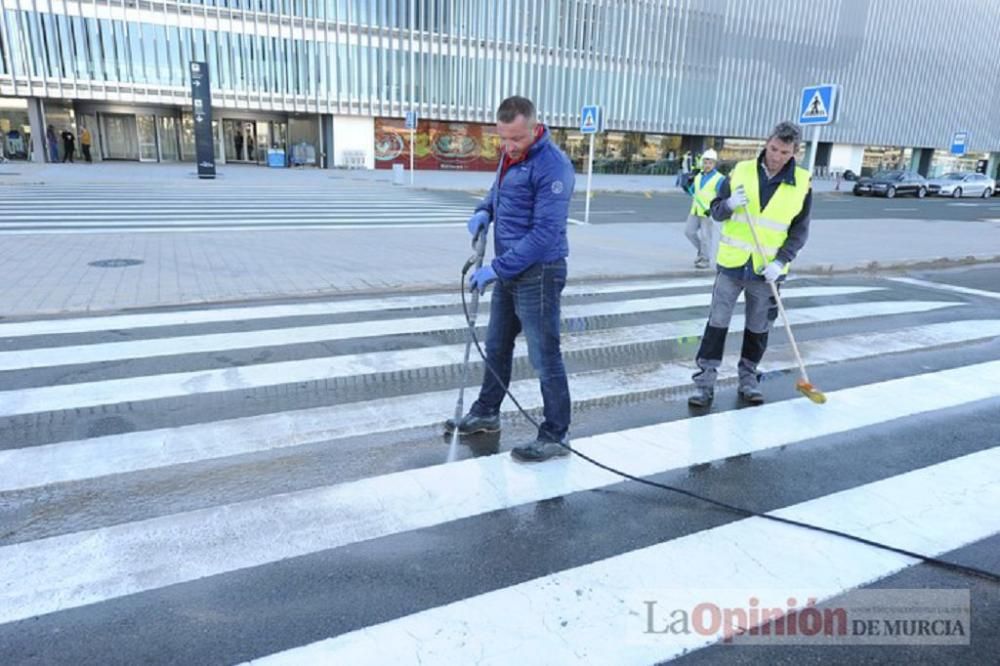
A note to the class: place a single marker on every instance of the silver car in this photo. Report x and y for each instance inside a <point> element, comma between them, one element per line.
<point>962,184</point>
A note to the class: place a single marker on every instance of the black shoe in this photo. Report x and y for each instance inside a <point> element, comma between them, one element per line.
<point>539,451</point>
<point>472,425</point>
<point>703,398</point>
<point>751,395</point>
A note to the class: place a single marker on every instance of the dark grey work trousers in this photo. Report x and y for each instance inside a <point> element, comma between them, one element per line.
<point>761,311</point>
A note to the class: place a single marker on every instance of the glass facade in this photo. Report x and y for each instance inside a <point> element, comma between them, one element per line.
<point>658,67</point>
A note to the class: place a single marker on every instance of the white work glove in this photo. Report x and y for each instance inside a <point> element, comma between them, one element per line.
<point>773,270</point>
<point>737,199</point>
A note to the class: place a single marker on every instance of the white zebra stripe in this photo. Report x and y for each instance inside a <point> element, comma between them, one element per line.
<point>64,326</point>
<point>596,613</point>
<point>194,344</point>
<point>152,387</point>
<point>130,452</point>
<point>72,570</point>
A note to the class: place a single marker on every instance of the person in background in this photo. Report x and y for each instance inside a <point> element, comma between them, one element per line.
<point>69,142</point>
<point>85,140</point>
<point>700,229</point>
<point>52,143</point>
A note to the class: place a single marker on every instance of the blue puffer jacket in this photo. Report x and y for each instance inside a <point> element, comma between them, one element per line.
<point>529,207</point>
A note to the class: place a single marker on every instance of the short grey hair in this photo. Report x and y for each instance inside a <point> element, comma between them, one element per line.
<point>515,106</point>
<point>787,132</point>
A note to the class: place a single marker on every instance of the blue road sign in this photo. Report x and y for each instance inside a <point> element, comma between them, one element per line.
<point>411,120</point>
<point>959,142</point>
<point>590,119</point>
<point>817,104</point>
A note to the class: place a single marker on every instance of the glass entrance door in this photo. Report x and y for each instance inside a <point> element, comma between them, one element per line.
<point>169,148</point>
<point>271,134</point>
<point>119,137</point>
<point>279,136</point>
<point>263,141</point>
<point>240,137</point>
<point>146,126</point>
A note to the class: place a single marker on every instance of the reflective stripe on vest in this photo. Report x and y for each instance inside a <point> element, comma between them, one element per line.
<point>736,244</point>
<point>703,195</point>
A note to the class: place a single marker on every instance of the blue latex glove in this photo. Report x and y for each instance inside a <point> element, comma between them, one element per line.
<point>481,278</point>
<point>773,270</point>
<point>478,221</point>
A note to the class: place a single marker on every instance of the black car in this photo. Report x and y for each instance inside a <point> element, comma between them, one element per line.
<point>890,183</point>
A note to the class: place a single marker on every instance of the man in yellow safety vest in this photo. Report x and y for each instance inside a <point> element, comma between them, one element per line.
<point>777,195</point>
<point>700,229</point>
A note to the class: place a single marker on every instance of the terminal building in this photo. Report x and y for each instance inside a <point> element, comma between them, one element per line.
<point>327,83</point>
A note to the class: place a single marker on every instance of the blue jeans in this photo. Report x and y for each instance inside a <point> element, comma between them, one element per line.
<point>529,303</point>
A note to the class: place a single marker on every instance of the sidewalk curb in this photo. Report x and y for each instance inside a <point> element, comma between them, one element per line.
<point>871,269</point>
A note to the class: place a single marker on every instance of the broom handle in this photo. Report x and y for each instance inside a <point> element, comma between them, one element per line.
<point>777,297</point>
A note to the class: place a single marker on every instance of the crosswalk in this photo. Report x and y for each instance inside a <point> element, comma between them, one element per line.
<point>124,207</point>
<point>267,484</point>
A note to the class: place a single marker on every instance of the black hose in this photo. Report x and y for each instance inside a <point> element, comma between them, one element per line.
<point>749,513</point>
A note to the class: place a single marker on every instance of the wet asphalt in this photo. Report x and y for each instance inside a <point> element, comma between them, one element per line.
<point>253,612</point>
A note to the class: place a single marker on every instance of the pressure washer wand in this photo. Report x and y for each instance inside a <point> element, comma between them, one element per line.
<point>474,263</point>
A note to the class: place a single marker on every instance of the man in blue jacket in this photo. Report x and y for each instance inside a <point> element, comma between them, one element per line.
<point>529,204</point>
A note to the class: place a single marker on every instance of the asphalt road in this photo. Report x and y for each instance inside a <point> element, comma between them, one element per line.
<point>187,510</point>
<point>609,208</point>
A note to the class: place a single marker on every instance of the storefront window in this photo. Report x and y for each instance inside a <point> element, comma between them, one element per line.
<point>628,153</point>
<point>944,162</point>
<point>439,145</point>
<point>881,158</point>
<point>738,150</point>
<point>15,129</point>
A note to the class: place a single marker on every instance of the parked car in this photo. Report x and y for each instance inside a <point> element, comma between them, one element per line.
<point>890,183</point>
<point>962,184</point>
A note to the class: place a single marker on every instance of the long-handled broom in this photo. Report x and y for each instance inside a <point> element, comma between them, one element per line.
<point>803,386</point>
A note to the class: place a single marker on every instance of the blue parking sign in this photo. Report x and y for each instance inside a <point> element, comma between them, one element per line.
<point>959,143</point>
<point>411,120</point>
<point>817,105</point>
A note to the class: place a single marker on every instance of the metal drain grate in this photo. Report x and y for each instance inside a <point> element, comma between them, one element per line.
<point>115,263</point>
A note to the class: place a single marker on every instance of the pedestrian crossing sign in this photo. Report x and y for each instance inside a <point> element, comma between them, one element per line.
<point>817,103</point>
<point>590,119</point>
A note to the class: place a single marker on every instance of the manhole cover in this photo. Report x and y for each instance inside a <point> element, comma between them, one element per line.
<point>115,263</point>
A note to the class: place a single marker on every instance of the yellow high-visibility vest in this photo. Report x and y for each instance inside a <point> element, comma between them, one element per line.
<point>736,244</point>
<point>704,193</point>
